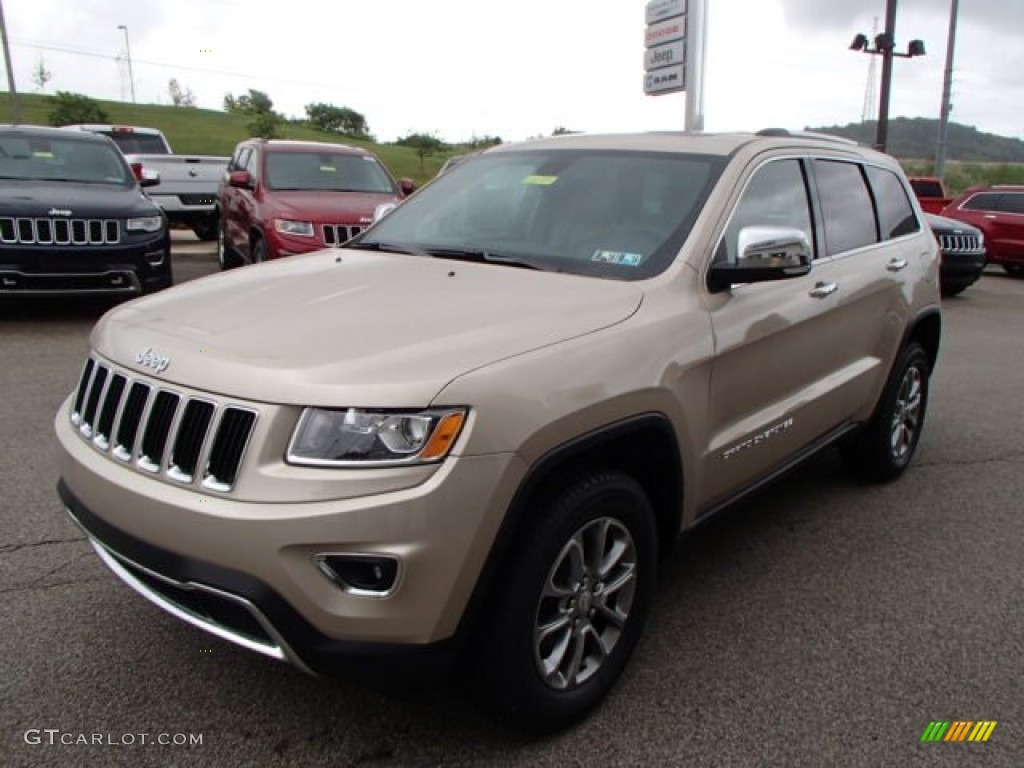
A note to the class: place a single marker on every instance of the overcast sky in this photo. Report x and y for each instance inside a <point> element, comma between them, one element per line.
<point>519,68</point>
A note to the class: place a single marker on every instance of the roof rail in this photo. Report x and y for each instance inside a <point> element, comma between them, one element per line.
<point>807,135</point>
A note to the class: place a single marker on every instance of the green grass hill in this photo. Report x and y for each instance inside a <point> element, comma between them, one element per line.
<point>209,132</point>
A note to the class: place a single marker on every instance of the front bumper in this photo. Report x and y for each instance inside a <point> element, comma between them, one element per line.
<point>246,571</point>
<point>128,269</point>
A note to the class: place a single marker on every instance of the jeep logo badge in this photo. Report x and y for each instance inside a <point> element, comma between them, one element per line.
<point>59,212</point>
<point>151,359</point>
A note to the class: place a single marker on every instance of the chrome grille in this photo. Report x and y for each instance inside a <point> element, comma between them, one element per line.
<point>339,234</point>
<point>184,438</point>
<point>28,231</point>
<point>964,243</point>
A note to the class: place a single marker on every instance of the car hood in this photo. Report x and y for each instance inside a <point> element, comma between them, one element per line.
<point>944,223</point>
<point>71,199</point>
<point>328,207</point>
<point>353,328</point>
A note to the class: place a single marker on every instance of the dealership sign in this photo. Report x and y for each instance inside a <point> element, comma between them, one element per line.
<point>666,80</point>
<point>664,9</point>
<point>665,47</point>
<point>666,55</point>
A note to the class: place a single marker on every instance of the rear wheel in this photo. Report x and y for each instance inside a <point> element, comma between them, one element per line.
<point>206,229</point>
<point>571,604</point>
<point>887,444</point>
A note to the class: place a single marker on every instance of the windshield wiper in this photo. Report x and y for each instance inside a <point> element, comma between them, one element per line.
<point>392,247</point>
<point>478,254</point>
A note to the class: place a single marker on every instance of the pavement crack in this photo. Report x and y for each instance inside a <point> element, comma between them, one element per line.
<point>8,548</point>
<point>35,585</point>
<point>1009,458</point>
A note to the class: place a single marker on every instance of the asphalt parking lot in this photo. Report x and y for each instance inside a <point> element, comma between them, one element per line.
<point>821,622</point>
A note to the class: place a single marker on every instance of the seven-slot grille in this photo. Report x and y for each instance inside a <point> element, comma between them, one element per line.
<point>26,231</point>
<point>160,431</point>
<point>339,234</point>
<point>960,243</point>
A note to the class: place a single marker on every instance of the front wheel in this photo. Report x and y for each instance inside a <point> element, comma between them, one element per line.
<point>884,448</point>
<point>227,258</point>
<point>571,604</point>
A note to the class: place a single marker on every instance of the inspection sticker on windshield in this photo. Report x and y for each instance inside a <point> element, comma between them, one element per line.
<point>328,169</point>
<point>543,181</point>
<point>619,257</point>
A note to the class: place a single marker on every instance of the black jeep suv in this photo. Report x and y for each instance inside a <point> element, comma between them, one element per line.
<point>73,218</point>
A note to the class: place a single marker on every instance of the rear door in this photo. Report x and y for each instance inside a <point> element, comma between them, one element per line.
<point>873,233</point>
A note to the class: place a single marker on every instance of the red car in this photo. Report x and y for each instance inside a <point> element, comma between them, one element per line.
<point>999,213</point>
<point>280,198</point>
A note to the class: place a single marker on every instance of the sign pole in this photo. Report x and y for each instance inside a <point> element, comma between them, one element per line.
<point>697,23</point>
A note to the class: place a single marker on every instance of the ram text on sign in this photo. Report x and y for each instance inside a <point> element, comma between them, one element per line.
<point>668,80</point>
<point>665,55</point>
<point>665,32</point>
<point>664,9</point>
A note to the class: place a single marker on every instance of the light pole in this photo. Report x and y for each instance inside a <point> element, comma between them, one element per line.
<point>885,46</point>
<point>128,52</point>
<point>947,83</point>
<point>15,106</point>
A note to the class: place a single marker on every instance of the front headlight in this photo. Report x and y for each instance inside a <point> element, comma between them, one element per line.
<point>356,437</point>
<point>289,227</point>
<point>145,224</point>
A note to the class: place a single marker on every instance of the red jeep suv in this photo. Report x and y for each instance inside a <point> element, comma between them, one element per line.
<point>280,198</point>
<point>999,213</point>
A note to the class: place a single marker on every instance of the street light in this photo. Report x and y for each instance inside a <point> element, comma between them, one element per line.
<point>128,52</point>
<point>885,46</point>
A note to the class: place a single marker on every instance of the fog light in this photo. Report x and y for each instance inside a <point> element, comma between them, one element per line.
<point>371,575</point>
<point>155,258</point>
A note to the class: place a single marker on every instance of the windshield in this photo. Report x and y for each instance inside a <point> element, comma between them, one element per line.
<point>132,143</point>
<point>328,171</point>
<point>615,214</point>
<point>53,159</point>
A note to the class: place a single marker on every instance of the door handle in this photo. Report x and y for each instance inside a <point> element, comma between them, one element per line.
<point>895,265</point>
<point>990,216</point>
<point>822,290</point>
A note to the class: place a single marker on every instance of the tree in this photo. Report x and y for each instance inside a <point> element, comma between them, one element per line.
<point>332,119</point>
<point>264,125</point>
<point>41,75</point>
<point>69,108</point>
<point>483,142</point>
<point>252,103</point>
<point>180,97</point>
<point>424,144</point>
<point>561,130</point>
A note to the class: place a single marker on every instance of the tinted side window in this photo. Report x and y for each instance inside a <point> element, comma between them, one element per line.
<point>1011,203</point>
<point>846,206</point>
<point>236,161</point>
<point>895,213</point>
<point>986,201</point>
<point>775,197</point>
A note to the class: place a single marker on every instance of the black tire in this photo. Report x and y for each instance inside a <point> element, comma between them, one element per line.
<point>884,448</point>
<point>1014,270</point>
<point>206,229</point>
<point>526,629</point>
<point>258,250</point>
<point>227,257</point>
<point>954,289</point>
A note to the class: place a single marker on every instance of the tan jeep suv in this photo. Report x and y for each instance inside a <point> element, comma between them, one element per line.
<point>475,431</point>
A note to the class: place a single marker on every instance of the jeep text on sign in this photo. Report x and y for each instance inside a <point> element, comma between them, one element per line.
<point>665,32</point>
<point>665,55</point>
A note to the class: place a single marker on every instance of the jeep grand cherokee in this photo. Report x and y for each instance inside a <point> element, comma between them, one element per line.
<point>476,430</point>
